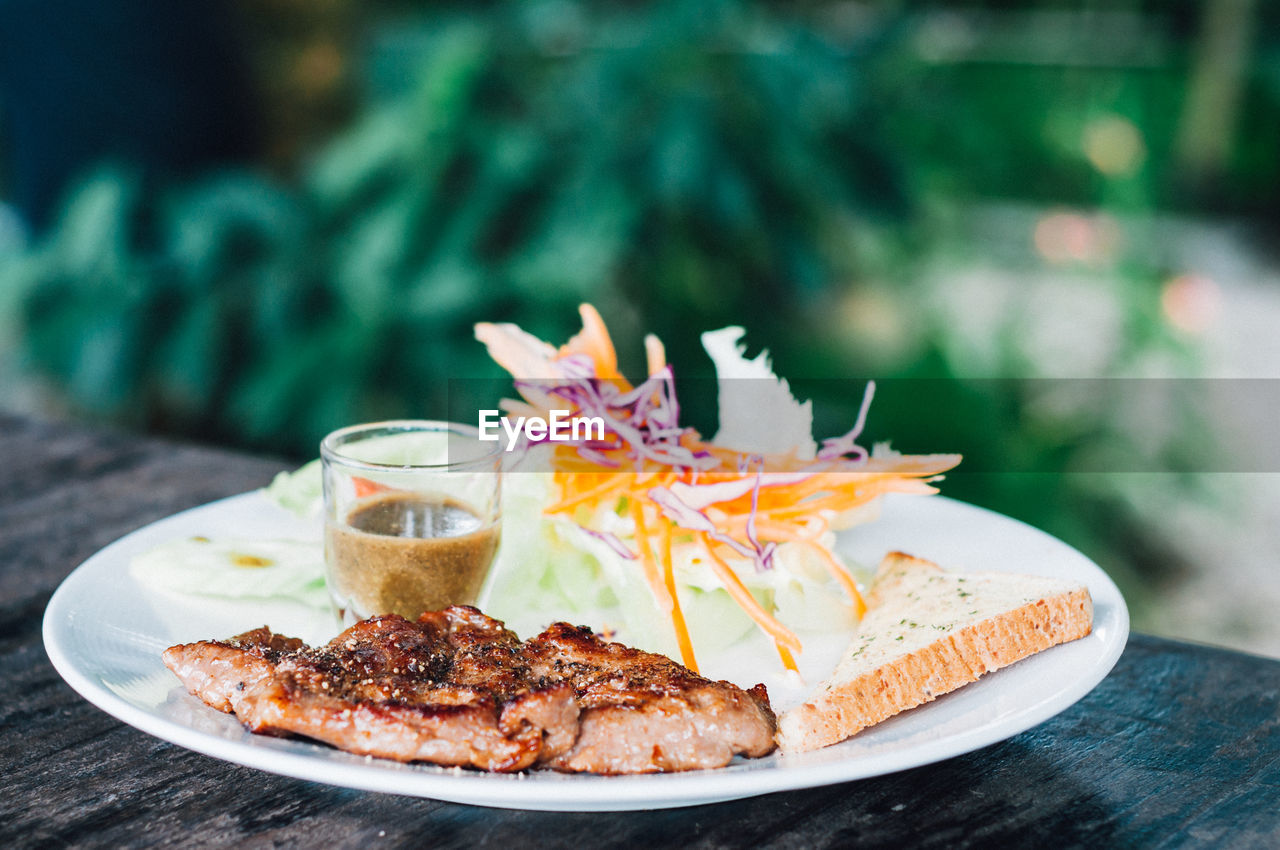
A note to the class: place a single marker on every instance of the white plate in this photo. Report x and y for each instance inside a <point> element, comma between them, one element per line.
<point>104,634</point>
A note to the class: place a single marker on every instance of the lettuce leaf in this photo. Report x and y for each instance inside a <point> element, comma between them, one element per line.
<point>757,411</point>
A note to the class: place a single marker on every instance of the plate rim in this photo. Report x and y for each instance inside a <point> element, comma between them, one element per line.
<point>566,792</point>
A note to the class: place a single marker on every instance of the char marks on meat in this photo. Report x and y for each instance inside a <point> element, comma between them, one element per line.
<point>458,688</point>
<point>448,689</point>
<point>642,713</point>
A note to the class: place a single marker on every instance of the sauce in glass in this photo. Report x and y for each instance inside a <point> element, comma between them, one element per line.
<point>405,553</point>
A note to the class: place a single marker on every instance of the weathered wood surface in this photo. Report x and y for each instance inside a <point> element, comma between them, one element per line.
<point>1180,746</point>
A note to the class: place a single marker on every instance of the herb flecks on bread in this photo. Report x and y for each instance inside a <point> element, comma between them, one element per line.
<point>928,632</point>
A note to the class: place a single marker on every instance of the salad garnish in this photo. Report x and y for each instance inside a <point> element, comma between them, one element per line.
<point>729,503</point>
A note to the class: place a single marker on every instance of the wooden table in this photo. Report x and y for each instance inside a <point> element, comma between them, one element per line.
<point>1179,746</point>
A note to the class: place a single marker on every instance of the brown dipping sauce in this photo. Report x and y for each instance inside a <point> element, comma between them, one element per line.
<point>406,553</point>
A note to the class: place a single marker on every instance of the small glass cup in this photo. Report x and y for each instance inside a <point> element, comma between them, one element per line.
<point>412,516</point>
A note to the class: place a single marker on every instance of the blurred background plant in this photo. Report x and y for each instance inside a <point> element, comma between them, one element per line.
<point>1024,189</point>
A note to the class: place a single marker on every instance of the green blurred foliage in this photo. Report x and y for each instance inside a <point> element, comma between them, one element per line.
<point>684,165</point>
<point>696,173</point>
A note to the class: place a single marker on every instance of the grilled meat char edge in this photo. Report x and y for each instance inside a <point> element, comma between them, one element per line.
<point>459,688</point>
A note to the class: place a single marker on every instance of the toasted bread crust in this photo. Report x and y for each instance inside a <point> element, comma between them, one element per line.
<point>954,660</point>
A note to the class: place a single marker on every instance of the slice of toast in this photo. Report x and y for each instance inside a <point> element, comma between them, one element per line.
<point>928,632</point>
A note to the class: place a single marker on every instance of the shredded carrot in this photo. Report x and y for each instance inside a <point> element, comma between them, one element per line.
<point>655,354</point>
<point>788,660</point>
<point>660,595</point>
<point>612,482</point>
<point>677,616</point>
<point>840,574</point>
<point>735,587</point>
<point>364,487</point>
<point>593,340</point>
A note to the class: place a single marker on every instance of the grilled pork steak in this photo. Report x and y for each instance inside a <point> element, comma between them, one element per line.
<point>449,689</point>
<point>458,688</point>
<point>643,713</point>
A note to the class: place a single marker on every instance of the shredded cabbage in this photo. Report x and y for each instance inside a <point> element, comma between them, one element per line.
<point>299,492</point>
